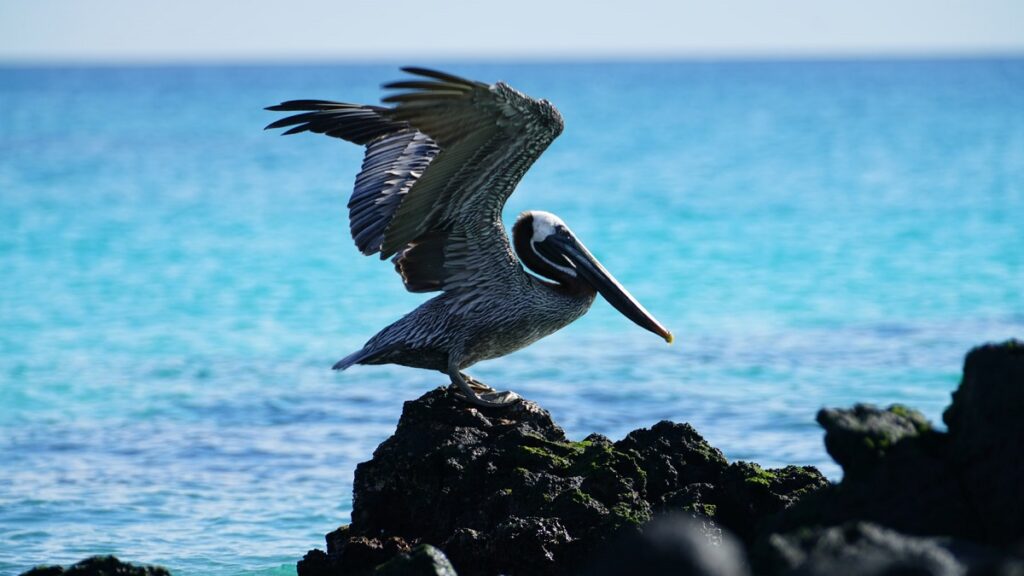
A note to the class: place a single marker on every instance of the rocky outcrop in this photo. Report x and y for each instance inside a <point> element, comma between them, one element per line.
<point>899,472</point>
<point>956,494</point>
<point>424,560</point>
<point>487,492</point>
<point>986,442</point>
<point>98,566</point>
<point>503,490</point>
<point>895,473</point>
<point>863,549</point>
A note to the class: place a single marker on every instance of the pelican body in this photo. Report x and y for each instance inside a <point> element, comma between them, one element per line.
<point>439,166</point>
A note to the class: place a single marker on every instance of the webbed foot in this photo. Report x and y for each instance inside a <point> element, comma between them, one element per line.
<point>476,392</point>
<point>501,398</point>
<point>489,399</point>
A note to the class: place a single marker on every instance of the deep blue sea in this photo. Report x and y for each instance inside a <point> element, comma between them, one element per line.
<point>175,282</point>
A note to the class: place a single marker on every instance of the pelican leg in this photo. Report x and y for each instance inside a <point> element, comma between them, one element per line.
<point>487,399</point>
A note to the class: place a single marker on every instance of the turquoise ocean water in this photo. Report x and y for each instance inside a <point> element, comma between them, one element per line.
<point>175,283</point>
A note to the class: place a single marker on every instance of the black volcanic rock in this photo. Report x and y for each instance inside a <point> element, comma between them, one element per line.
<point>857,439</point>
<point>861,549</point>
<point>965,485</point>
<point>895,473</point>
<point>503,491</point>
<point>901,473</point>
<point>98,566</point>
<point>670,545</point>
<point>986,429</point>
<point>424,560</point>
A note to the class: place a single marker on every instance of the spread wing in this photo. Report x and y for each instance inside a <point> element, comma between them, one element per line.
<point>438,169</point>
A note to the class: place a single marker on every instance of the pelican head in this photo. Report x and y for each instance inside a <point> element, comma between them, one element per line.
<point>549,249</point>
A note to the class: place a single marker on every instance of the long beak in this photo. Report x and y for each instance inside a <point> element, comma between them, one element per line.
<point>594,274</point>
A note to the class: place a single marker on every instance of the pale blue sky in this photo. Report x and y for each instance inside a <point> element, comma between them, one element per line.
<point>189,30</point>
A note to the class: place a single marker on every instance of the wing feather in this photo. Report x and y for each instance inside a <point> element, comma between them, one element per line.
<point>489,137</point>
<point>357,124</point>
<point>439,166</point>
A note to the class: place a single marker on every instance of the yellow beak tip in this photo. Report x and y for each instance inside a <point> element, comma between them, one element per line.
<point>670,338</point>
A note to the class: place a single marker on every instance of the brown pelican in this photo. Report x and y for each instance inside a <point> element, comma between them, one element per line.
<point>439,166</point>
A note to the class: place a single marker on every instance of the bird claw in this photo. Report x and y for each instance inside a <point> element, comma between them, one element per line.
<point>505,398</point>
<point>490,399</point>
<point>478,386</point>
<point>473,391</point>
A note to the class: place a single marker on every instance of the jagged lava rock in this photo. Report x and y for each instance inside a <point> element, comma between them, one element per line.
<point>862,549</point>
<point>986,427</point>
<point>424,560</point>
<point>901,473</point>
<point>966,485</point>
<point>670,545</point>
<point>895,473</point>
<point>502,491</point>
<point>859,438</point>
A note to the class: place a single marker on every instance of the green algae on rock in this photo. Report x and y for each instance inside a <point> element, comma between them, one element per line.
<point>504,491</point>
<point>861,436</point>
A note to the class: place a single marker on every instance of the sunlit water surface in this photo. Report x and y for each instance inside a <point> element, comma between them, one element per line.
<point>175,283</point>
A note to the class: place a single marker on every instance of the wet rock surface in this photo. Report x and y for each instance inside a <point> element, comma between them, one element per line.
<point>505,492</point>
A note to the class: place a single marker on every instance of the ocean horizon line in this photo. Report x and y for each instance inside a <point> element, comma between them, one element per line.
<point>512,59</point>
